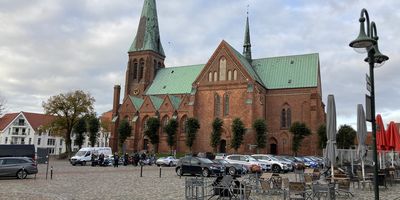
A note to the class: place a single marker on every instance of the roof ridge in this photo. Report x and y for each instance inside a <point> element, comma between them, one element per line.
<point>182,66</point>
<point>305,54</point>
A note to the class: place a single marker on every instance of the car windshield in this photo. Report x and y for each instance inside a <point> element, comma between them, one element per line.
<point>222,161</point>
<point>80,153</point>
<point>205,160</point>
<point>274,159</point>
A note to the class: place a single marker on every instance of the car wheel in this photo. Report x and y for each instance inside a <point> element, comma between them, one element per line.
<point>276,168</point>
<point>232,171</point>
<point>21,174</point>
<point>179,171</point>
<point>205,172</point>
<point>73,164</point>
<point>170,164</point>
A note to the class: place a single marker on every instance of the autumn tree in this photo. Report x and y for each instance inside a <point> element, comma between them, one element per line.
<point>238,131</point>
<point>93,126</point>
<point>193,126</point>
<point>260,127</point>
<point>68,108</point>
<point>216,133</point>
<point>153,125</point>
<point>124,131</point>
<point>105,126</point>
<point>171,129</point>
<point>345,137</point>
<point>299,132</point>
<point>79,130</point>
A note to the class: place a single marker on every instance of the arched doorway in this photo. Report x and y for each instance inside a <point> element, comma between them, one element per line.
<point>273,146</point>
<point>222,146</point>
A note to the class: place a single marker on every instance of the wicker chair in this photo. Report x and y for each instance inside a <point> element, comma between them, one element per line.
<point>297,190</point>
<point>343,188</point>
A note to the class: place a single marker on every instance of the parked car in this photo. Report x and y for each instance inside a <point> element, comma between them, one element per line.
<point>232,169</point>
<point>277,165</point>
<point>292,163</point>
<point>220,155</point>
<point>196,165</point>
<point>167,161</point>
<point>247,161</point>
<point>84,155</point>
<point>320,161</point>
<point>308,162</point>
<point>19,167</point>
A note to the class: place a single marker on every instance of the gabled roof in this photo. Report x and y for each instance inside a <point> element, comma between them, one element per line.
<point>176,101</point>
<point>34,119</point>
<point>294,71</point>
<point>137,102</point>
<point>156,101</point>
<point>174,80</point>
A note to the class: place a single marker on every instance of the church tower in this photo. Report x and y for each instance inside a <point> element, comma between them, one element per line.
<point>146,54</point>
<point>246,43</point>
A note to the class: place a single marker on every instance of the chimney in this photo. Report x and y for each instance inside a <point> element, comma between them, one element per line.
<point>117,91</point>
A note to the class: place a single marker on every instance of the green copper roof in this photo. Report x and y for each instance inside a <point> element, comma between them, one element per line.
<point>148,34</point>
<point>174,80</point>
<point>137,102</point>
<point>288,71</point>
<point>246,64</point>
<point>176,101</point>
<point>156,102</point>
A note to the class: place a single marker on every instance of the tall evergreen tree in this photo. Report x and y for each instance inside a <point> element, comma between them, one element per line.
<point>299,131</point>
<point>124,131</point>
<point>216,133</point>
<point>260,127</point>
<point>80,129</point>
<point>193,126</point>
<point>93,129</point>
<point>171,129</point>
<point>153,125</point>
<point>238,131</point>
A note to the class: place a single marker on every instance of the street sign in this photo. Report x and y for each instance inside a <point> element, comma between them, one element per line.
<point>368,116</point>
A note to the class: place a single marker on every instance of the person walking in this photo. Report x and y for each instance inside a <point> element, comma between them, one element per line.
<point>126,159</point>
<point>116,159</point>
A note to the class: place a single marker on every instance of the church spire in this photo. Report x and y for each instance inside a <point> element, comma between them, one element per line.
<point>246,44</point>
<point>148,34</point>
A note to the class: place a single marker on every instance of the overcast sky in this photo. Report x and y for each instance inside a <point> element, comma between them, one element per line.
<point>49,47</point>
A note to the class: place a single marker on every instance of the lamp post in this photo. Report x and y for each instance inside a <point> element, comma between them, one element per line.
<point>375,58</point>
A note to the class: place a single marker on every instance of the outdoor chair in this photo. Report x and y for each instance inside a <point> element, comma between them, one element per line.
<point>222,187</point>
<point>308,179</point>
<point>327,191</point>
<point>241,191</point>
<point>343,188</point>
<point>266,186</point>
<point>297,190</point>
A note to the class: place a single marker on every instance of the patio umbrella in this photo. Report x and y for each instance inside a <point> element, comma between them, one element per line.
<point>331,132</point>
<point>380,137</point>
<point>393,139</point>
<point>361,135</point>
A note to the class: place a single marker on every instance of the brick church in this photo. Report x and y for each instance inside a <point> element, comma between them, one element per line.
<point>229,85</point>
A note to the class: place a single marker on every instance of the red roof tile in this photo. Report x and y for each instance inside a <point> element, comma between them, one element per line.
<point>7,119</point>
<point>34,119</point>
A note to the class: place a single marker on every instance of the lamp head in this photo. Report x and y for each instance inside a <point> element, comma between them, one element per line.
<point>379,58</point>
<point>362,41</point>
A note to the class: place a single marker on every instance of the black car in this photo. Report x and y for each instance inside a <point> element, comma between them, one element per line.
<point>196,165</point>
<point>231,168</point>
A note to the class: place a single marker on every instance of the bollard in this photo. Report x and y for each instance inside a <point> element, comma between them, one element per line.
<point>51,173</point>
<point>47,166</point>
<point>23,171</point>
<point>141,170</point>
<point>160,171</point>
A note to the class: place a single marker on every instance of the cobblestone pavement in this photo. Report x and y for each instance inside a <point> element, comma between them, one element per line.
<point>86,182</point>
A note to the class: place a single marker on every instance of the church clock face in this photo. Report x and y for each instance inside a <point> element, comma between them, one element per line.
<point>136,91</point>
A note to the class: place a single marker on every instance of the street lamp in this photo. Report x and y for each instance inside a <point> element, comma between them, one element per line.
<point>369,42</point>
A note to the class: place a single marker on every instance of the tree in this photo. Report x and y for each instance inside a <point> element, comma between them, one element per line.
<point>322,136</point>
<point>345,137</point>
<point>171,129</point>
<point>68,108</point>
<point>79,130</point>
<point>299,131</point>
<point>153,125</point>
<point>260,127</point>
<point>93,126</point>
<point>124,131</point>
<point>105,128</point>
<point>193,126</point>
<point>216,133</point>
<point>238,131</point>
<point>2,105</point>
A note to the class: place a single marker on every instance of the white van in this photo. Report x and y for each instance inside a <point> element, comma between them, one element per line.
<point>85,154</point>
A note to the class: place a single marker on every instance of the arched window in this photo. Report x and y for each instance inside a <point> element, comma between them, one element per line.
<point>210,76</point>
<point>217,105</point>
<point>226,104</point>
<point>234,75</point>
<point>183,124</point>
<point>164,122</point>
<point>215,76</point>
<point>135,69</point>
<point>229,75</point>
<point>222,69</point>
<point>141,69</point>
<point>286,117</point>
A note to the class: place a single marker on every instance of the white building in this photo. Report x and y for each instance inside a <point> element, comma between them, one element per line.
<point>27,128</point>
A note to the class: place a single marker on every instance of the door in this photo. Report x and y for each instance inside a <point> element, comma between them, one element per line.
<point>9,167</point>
<point>273,148</point>
<point>195,166</point>
<point>222,146</point>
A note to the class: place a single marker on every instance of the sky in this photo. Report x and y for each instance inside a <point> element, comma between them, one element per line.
<point>49,47</point>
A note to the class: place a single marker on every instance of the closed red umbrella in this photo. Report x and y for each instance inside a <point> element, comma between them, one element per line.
<point>392,137</point>
<point>381,142</point>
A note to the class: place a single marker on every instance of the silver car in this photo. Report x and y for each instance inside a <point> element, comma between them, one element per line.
<point>19,167</point>
<point>168,161</point>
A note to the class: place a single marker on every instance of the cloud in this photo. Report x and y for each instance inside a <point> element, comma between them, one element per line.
<point>50,47</point>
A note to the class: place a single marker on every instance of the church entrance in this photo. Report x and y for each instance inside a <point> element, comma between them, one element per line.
<point>222,146</point>
<point>273,147</point>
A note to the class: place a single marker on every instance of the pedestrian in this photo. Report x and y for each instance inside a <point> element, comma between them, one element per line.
<point>116,159</point>
<point>101,159</point>
<point>126,158</point>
